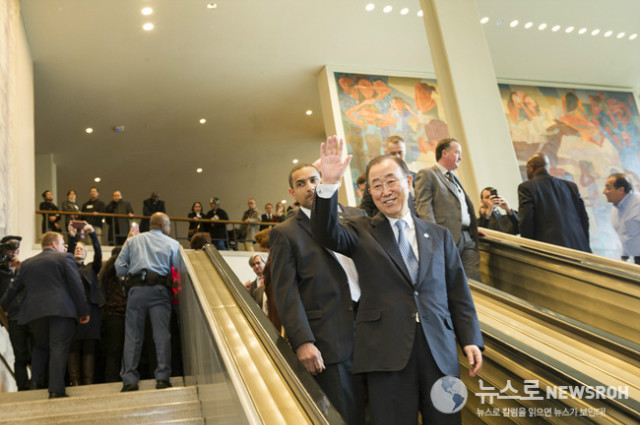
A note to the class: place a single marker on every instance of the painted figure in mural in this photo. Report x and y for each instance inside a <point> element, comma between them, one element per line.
<point>432,128</point>
<point>365,140</point>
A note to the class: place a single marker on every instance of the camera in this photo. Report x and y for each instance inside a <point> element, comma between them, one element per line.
<point>8,245</point>
<point>493,192</point>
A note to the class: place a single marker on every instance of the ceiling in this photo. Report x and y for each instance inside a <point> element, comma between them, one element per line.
<point>249,67</point>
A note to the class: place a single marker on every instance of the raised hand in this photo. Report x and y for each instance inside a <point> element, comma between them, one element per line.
<point>332,166</point>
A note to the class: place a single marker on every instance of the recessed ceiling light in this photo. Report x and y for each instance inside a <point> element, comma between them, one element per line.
<point>295,161</point>
<point>528,25</point>
<point>89,130</point>
<point>202,120</point>
<point>370,7</point>
<point>387,9</point>
<point>148,26</point>
<point>595,32</point>
<point>284,201</point>
<point>542,26</point>
<point>420,13</point>
<point>97,179</point>
<point>484,20</point>
<point>212,6</point>
<point>620,35</point>
<point>569,29</point>
<point>582,31</point>
<point>514,23</point>
<point>147,11</point>
<point>633,36</point>
<point>404,11</point>
<point>555,28</point>
<point>309,112</point>
<point>608,33</point>
<point>198,170</point>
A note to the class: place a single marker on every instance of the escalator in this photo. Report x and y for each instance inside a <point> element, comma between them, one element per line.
<point>229,343</point>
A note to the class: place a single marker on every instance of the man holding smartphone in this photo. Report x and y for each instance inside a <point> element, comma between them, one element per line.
<point>491,218</point>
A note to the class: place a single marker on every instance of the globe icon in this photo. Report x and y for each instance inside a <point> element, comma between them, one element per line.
<point>449,394</point>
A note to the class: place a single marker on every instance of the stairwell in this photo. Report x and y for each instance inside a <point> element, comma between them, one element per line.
<point>104,404</point>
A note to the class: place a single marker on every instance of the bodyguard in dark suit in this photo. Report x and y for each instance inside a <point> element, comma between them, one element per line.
<point>551,209</point>
<point>441,199</point>
<point>54,303</point>
<point>315,299</point>
<point>415,298</point>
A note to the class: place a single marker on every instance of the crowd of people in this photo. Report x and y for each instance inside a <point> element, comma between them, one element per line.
<point>371,299</point>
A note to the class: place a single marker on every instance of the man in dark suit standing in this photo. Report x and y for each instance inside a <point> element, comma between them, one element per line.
<point>551,209</point>
<point>415,297</point>
<point>316,293</point>
<point>54,302</point>
<point>441,199</point>
<point>149,207</point>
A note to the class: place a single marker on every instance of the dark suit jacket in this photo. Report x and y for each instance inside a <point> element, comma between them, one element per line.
<point>552,211</point>
<point>437,202</point>
<point>311,290</point>
<point>385,324</point>
<point>149,208</point>
<point>53,287</point>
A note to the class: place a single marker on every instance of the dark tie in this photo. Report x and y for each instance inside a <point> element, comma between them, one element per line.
<point>408,256</point>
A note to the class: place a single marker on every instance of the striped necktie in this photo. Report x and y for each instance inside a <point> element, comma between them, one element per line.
<point>408,256</point>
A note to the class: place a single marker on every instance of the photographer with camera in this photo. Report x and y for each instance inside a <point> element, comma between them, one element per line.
<point>21,335</point>
<point>491,218</point>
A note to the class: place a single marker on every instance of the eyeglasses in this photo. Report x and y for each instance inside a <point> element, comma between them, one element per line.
<point>390,184</point>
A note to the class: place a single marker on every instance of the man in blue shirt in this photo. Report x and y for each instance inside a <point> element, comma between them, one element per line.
<point>625,216</point>
<point>147,261</point>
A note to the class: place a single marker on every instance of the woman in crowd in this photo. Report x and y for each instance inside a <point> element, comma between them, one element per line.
<point>71,206</point>
<point>196,225</point>
<point>280,214</point>
<point>81,359</point>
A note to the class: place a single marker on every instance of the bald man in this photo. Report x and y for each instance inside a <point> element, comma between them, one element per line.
<point>551,209</point>
<point>146,261</point>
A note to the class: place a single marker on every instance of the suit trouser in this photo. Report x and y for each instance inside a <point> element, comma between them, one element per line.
<point>344,390</point>
<point>52,340</point>
<point>469,255</point>
<point>156,301</point>
<point>396,397</point>
<point>21,340</point>
<point>112,346</point>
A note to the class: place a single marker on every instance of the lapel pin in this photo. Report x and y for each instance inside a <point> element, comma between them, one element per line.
<point>426,235</point>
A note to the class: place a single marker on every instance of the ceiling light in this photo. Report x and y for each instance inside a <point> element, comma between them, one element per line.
<point>582,31</point>
<point>420,14</point>
<point>198,170</point>
<point>295,161</point>
<point>595,32</point>
<point>569,29</point>
<point>608,33</point>
<point>633,36</point>
<point>212,6</point>
<point>202,120</point>
<point>528,25</point>
<point>148,26</point>
<point>89,130</point>
<point>555,28</point>
<point>620,35</point>
<point>387,9</point>
<point>370,7</point>
<point>309,112</point>
<point>147,11</point>
<point>97,179</point>
<point>404,11</point>
<point>542,26</point>
<point>484,20</point>
<point>514,23</point>
<point>284,201</point>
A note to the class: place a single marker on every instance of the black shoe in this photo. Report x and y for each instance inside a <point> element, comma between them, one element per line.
<point>57,395</point>
<point>130,387</point>
<point>162,384</point>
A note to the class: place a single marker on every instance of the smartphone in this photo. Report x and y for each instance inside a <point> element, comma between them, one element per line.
<point>493,192</point>
<point>78,224</point>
